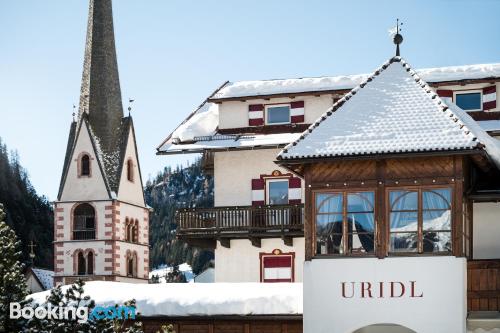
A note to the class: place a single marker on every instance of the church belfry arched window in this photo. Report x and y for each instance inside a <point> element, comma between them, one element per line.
<point>84,224</point>
<point>85,165</point>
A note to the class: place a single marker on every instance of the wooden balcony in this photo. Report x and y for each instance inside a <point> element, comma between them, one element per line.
<point>483,285</point>
<point>203,226</point>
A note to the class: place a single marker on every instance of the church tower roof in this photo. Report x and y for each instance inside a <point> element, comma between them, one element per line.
<point>101,106</point>
<point>100,95</point>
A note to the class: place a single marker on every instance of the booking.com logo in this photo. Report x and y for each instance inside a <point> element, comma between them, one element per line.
<point>71,313</point>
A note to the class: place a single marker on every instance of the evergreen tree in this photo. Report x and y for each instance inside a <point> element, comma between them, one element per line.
<point>170,190</point>
<point>28,214</point>
<point>74,297</point>
<point>12,283</point>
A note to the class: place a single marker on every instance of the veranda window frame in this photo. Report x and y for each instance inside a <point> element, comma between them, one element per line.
<point>465,92</point>
<point>345,228</point>
<point>420,231</point>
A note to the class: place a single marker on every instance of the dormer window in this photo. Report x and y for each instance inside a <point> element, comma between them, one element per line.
<point>278,114</point>
<point>130,170</point>
<point>469,100</point>
<point>85,165</point>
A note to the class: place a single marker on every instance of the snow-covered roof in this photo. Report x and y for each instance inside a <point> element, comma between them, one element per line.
<point>193,299</point>
<point>45,277</point>
<point>203,122</point>
<point>162,272</point>
<point>328,83</point>
<point>393,111</point>
<point>490,125</point>
<point>224,142</point>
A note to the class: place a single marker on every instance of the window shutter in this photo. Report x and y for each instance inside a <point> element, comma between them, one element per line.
<point>446,95</point>
<point>256,115</point>
<point>277,269</point>
<point>257,192</point>
<point>297,112</point>
<point>489,98</point>
<point>294,191</point>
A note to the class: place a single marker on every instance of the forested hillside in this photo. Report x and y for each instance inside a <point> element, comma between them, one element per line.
<point>27,213</point>
<point>170,190</point>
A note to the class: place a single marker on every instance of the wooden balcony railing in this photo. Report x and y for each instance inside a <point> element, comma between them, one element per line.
<point>483,285</point>
<point>246,219</point>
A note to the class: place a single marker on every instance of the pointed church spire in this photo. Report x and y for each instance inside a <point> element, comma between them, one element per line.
<point>100,98</point>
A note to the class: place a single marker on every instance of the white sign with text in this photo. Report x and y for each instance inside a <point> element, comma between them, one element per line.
<point>423,294</point>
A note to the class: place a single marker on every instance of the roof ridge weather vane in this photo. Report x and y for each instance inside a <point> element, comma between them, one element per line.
<point>397,38</point>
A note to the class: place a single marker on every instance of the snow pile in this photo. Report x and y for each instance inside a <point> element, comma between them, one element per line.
<point>390,114</point>
<point>204,122</point>
<point>285,86</point>
<point>203,299</point>
<point>490,125</point>
<point>161,272</point>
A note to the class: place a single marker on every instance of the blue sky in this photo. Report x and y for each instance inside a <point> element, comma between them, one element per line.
<point>172,54</point>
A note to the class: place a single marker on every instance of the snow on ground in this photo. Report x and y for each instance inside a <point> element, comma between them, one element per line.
<point>282,86</point>
<point>164,270</point>
<point>197,299</point>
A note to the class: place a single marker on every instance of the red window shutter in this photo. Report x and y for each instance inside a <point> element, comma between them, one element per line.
<point>258,192</point>
<point>294,191</point>
<point>297,112</point>
<point>445,95</point>
<point>489,98</point>
<point>277,268</point>
<point>256,115</point>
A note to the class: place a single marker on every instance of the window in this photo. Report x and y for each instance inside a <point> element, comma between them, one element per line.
<point>277,191</point>
<point>84,263</point>
<point>131,230</point>
<point>345,222</point>
<point>420,220</point>
<point>469,101</point>
<point>278,114</point>
<point>131,264</point>
<point>130,170</point>
<point>81,264</point>
<point>277,266</point>
<point>84,222</point>
<point>85,166</point>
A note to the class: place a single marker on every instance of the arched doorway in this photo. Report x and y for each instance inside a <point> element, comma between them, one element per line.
<point>384,328</point>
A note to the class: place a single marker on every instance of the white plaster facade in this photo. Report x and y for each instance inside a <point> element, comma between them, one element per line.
<point>241,263</point>
<point>234,171</point>
<point>234,114</point>
<point>437,304</point>
<point>110,247</point>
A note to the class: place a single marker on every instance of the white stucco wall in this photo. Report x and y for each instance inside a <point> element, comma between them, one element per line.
<point>84,188</point>
<point>234,171</point>
<point>33,285</point>
<point>131,191</point>
<point>486,230</point>
<point>241,262</point>
<point>441,281</point>
<point>234,114</point>
<point>476,86</point>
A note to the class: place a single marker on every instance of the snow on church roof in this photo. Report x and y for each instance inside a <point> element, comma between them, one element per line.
<point>393,111</point>
<point>197,299</point>
<point>327,83</point>
<point>45,277</point>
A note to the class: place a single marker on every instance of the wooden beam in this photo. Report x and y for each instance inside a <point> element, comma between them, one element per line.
<point>201,243</point>
<point>287,240</point>
<point>255,241</point>
<point>225,242</point>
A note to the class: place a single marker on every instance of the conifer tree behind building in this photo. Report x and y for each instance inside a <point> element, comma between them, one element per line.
<point>12,283</point>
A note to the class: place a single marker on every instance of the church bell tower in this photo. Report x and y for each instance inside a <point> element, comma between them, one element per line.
<point>101,219</point>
